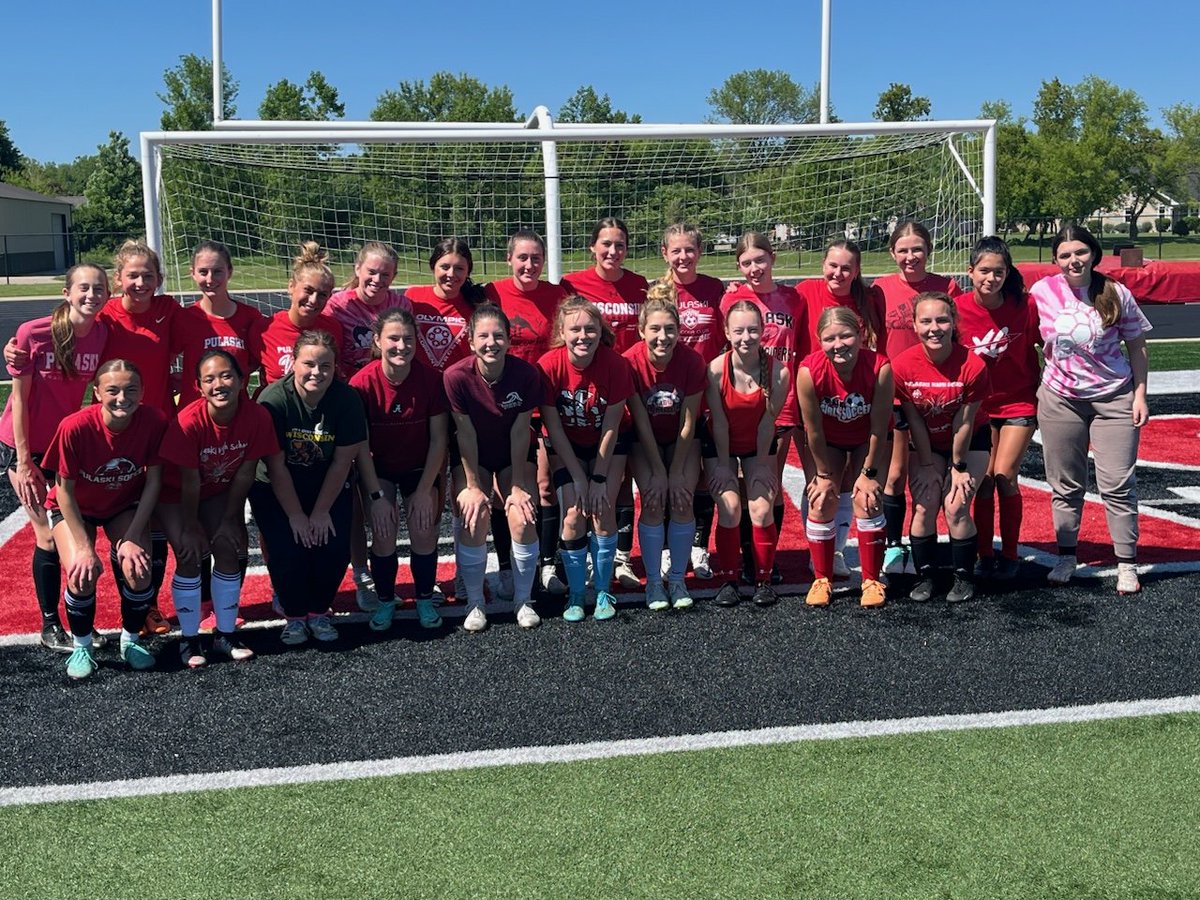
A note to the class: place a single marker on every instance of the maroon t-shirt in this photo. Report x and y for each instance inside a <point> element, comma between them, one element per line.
<point>193,440</point>
<point>663,393</point>
<point>398,415</point>
<point>493,408</point>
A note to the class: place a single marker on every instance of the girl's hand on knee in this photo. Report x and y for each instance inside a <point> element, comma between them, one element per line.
<point>472,503</point>
<point>133,560</point>
<point>681,493</point>
<point>520,500</point>
<point>384,516</point>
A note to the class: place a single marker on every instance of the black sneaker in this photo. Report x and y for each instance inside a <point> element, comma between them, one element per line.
<point>776,575</point>
<point>922,590</point>
<point>99,641</point>
<point>964,589</point>
<point>728,595</point>
<point>985,567</point>
<point>764,595</point>
<point>1006,569</point>
<point>57,640</point>
<point>191,653</point>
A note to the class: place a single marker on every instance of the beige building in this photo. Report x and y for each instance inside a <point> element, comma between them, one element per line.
<point>33,232</point>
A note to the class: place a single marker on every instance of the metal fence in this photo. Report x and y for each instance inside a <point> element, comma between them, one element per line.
<point>1161,232</point>
<point>52,253</point>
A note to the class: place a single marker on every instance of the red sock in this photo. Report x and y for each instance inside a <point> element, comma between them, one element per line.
<point>985,515</point>
<point>821,546</point>
<point>870,550</point>
<point>765,537</point>
<point>1011,511</point>
<point>729,553</point>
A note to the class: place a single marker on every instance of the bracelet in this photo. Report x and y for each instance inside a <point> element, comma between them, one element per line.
<point>376,495</point>
<point>599,479</point>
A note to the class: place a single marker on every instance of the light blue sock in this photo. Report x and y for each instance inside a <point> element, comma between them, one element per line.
<point>575,563</point>
<point>185,594</point>
<point>604,551</point>
<point>525,563</point>
<point>679,541</point>
<point>650,539</point>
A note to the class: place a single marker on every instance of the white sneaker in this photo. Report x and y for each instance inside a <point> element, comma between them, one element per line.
<point>551,583</point>
<point>505,589</point>
<point>322,629</point>
<point>700,564</point>
<point>681,597</point>
<point>294,632</point>
<point>1065,568</point>
<point>840,569</point>
<point>476,619</point>
<point>1127,579</point>
<point>656,595</point>
<point>527,616</point>
<point>623,572</point>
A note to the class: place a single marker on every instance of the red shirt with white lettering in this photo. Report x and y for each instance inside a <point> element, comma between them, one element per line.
<point>1005,338</point>
<point>193,440</point>
<point>783,337</point>
<point>701,325</point>
<point>398,415</point>
<point>663,393</point>
<point>583,396</point>
<point>818,297</point>
<point>530,315</point>
<point>144,339</point>
<point>845,404</point>
<point>279,340</point>
<point>194,332</point>
<point>441,326</point>
<point>108,467</point>
<point>938,391</point>
<point>620,301</point>
<point>898,295</point>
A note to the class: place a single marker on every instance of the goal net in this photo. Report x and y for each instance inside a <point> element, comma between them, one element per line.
<point>262,193</point>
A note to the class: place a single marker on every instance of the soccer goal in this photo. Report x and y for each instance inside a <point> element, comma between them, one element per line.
<point>262,189</point>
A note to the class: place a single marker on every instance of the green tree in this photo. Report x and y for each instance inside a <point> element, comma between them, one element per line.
<point>586,106</point>
<point>1182,151</point>
<point>899,104</point>
<point>314,101</point>
<point>762,97</point>
<point>189,95</point>
<point>10,156</point>
<point>113,210</point>
<point>56,179</point>
<point>447,98</point>
<point>1018,177</point>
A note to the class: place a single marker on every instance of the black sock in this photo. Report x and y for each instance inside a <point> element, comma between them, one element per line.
<point>548,531</point>
<point>625,529</point>
<point>502,538</point>
<point>780,509</point>
<point>424,573</point>
<point>702,506</point>
<point>158,563</point>
<point>243,564</point>
<point>206,579</point>
<point>963,552</point>
<point>383,573</point>
<point>1064,550</point>
<point>746,534</point>
<point>895,509</point>
<point>47,584</point>
<point>134,606</point>
<point>924,553</point>
<point>81,613</point>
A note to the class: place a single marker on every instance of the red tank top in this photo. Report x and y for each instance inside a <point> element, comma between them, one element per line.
<point>743,412</point>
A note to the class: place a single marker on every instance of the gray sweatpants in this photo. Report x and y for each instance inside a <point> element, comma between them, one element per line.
<point>1067,426</point>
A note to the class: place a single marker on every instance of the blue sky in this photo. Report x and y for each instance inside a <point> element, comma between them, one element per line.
<point>73,70</point>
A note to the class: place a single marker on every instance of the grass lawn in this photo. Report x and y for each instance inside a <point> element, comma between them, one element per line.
<point>1101,809</point>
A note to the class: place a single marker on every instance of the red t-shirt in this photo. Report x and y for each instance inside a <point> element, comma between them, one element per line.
<point>108,468</point>
<point>531,315</point>
<point>845,405</point>
<point>398,415</point>
<point>783,336</point>
<point>663,392</point>
<point>144,339</point>
<point>493,408</point>
<point>938,391</point>
<point>818,298</point>
<point>194,441</point>
<point>701,325</point>
<point>1006,339</point>
<point>620,301</point>
<point>194,332</point>
<point>279,339</point>
<point>582,397</point>
<point>898,296</point>
<point>441,326</point>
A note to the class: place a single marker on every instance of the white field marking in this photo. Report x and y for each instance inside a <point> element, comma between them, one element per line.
<point>1182,382</point>
<point>794,484</point>
<point>595,750</point>
<point>13,522</point>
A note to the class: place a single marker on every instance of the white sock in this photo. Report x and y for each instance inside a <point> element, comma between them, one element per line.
<point>679,542</point>
<point>525,566</point>
<point>472,563</point>
<point>185,594</point>
<point>226,592</point>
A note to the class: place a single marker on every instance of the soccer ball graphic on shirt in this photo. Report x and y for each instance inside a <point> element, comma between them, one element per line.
<point>1075,332</point>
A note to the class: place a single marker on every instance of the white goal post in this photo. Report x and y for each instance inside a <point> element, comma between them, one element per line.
<point>263,187</point>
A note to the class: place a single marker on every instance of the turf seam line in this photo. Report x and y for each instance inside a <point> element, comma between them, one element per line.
<point>596,750</point>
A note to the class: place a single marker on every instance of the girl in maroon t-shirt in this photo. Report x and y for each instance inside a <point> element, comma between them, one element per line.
<point>62,352</point>
<point>998,321</point>
<point>941,385</point>
<point>910,245</point>
<point>747,387</point>
<point>669,379</point>
<point>211,450</point>
<point>845,393</point>
<point>404,461</point>
<point>586,387</point>
<point>105,459</point>
<point>492,398</point>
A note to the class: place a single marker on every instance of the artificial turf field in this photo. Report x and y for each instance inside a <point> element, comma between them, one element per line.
<point>1097,808</point>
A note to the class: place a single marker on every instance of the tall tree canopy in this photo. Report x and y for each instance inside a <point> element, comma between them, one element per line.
<point>189,95</point>
<point>762,97</point>
<point>585,105</point>
<point>10,156</point>
<point>446,98</point>
<point>314,101</point>
<point>113,210</point>
<point>899,104</point>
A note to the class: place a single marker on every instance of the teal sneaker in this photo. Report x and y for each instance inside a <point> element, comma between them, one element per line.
<point>381,619</point>
<point>137,656</point>
<point>427,613</point>
<point>604,606</point>
<point>81,663</point>
<point>574,611</point>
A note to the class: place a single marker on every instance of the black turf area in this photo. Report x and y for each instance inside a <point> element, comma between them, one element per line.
<point>643,674</point>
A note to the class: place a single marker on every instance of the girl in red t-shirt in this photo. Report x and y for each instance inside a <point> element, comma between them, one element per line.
<point>211,450</point>
<point>309,290</point>
<point>62,353</point>
<point>586,388</point>
<point>107,475</point>
<point>910,245</point>
<point>846,394</point>
<point>941,385</point>
<point>443,309</point>
<point>669,379</point>
<point>998,321</point>
<point>746,389</point>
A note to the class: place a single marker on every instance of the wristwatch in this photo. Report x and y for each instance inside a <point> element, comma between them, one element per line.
<point>600,479</point>
<point>959,466</point>
<point>870,471</point>
<point>376,495</point>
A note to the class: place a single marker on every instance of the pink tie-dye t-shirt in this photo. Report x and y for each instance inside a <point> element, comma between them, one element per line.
<point>1083,358</point>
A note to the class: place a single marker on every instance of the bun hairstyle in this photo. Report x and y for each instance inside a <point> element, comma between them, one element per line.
<point>1102,292</point>
<point>62,332</point>
<point>840,315</point>
<point>311,259</point>
<point>472,292</point>
<point>905,229</point>
<point>943,298</point>
<point>571,304</point>
<point>660,297</point>
<point>868,325</point>
<point>370,248</point>
<point>1014,284</point>
<point>136,248</point>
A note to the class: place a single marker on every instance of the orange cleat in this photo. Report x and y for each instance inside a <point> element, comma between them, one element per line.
<point>873,594</point>
<point>820,593</point>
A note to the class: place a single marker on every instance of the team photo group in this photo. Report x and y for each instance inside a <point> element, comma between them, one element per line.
<point>539,410</point>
